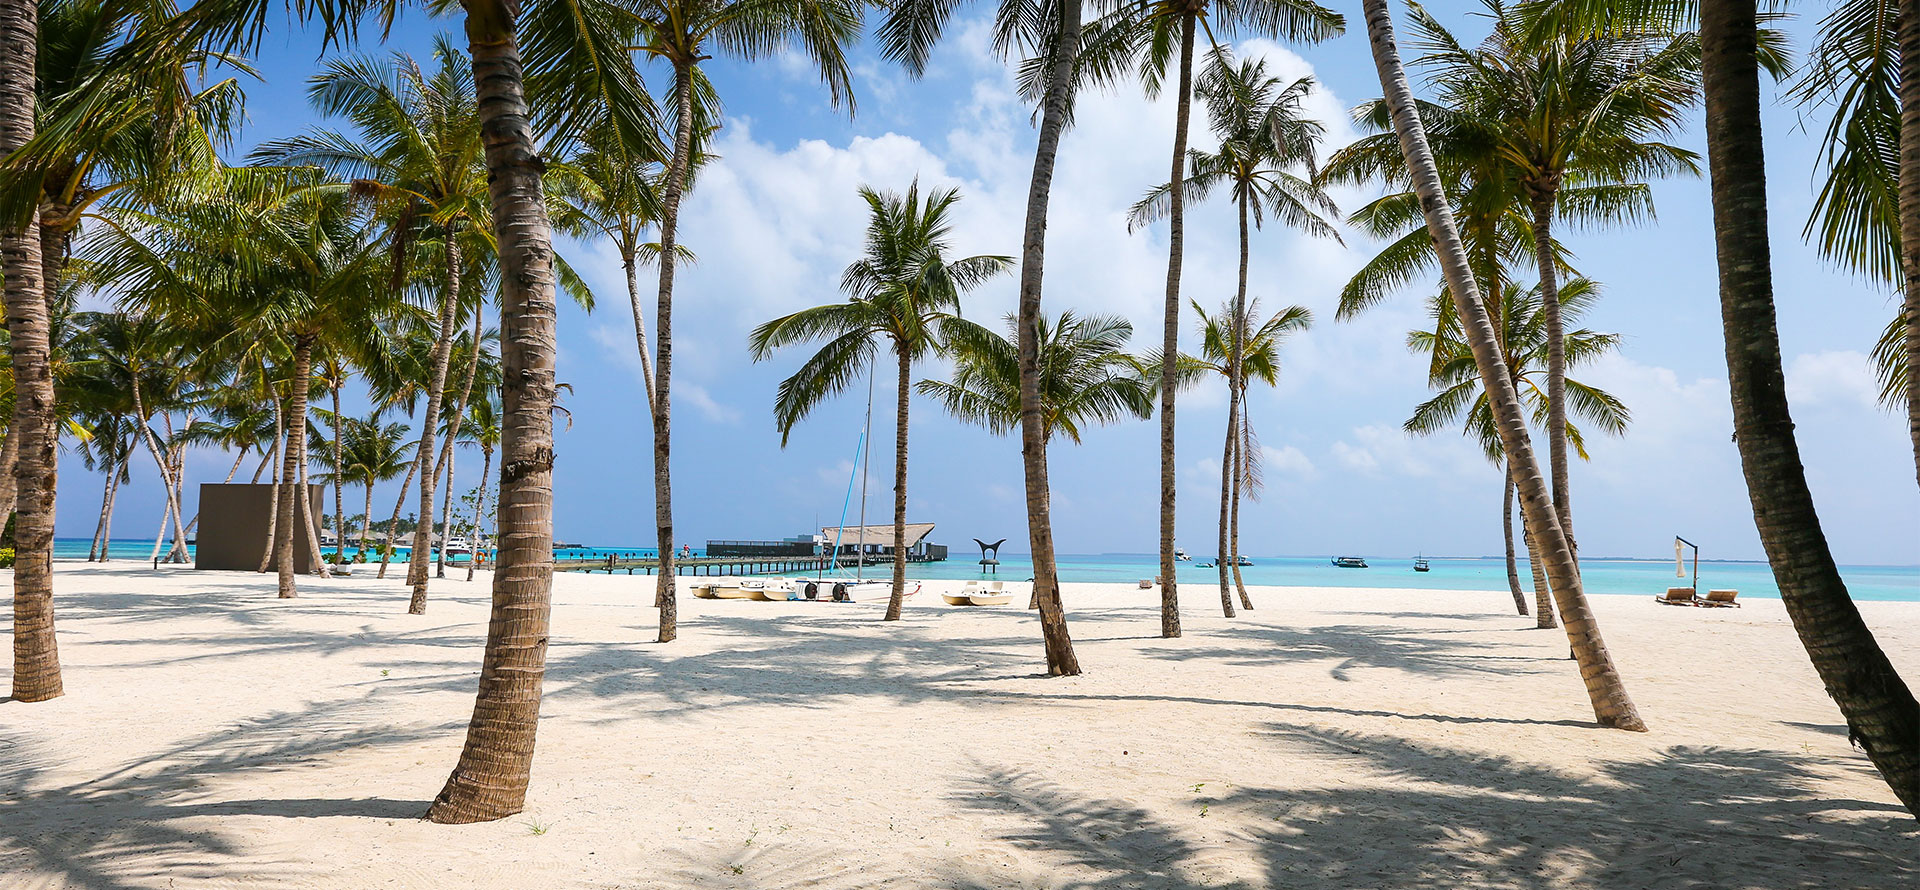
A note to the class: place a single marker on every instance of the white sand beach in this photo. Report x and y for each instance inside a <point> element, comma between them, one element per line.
<point>213,736</point>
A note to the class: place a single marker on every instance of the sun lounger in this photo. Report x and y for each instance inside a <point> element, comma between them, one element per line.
<point>1678,596</point>
<point>1721,599</point>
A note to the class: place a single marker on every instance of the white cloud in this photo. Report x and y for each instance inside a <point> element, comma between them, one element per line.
<point>1842,378</point>
<point>1287,461</point>
<point>1385,450</point>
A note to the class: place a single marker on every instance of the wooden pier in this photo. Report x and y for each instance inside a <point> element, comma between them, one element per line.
<point>710,565</point>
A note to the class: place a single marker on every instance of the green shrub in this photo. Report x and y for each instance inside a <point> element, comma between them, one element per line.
<point>6,557</point>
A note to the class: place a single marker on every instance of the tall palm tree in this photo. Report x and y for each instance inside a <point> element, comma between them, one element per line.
<point>1572,108</point>
<point>1051,43</point>
<point>567,50</point>
<point>903,290</point>
<point>1605,688</point>
<point>1523,346</point>
<point>1881,713</point>
<point>1087,377</point>
<point>418,157</point>
<point>683,33</point>
<point>1233,347</point>
<point>1263,134</point>
<point>1163,32</point>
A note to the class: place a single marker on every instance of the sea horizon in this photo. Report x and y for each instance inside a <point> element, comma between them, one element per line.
<point>1603,576</point>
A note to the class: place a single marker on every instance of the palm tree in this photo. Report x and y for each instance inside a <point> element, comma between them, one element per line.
<point>418,159</point>
<point>1263,134</point>
<point>1086,375</point>
<point>1523,346</point>
<point>904,290</point>
<point>1160,29</point>
<point>683,33</point>
<point>36,656</point>
<point>371,453</point>
<point>484,419</point>
<point>1566,108</point>
<point>1051,46</point>
<point>576,49</point>
<point>1231,346</point>
<point>1605,689</point>
<point>1881,713</point>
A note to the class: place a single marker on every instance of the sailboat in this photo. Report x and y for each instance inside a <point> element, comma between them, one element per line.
<point>859,588</point>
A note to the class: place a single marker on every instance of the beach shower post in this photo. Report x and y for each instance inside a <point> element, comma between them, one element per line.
<point>1679,564</point>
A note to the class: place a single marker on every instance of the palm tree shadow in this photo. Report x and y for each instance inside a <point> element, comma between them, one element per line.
<point>108,831</point>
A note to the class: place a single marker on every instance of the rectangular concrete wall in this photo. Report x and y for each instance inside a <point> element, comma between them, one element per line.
<point>233,527</point>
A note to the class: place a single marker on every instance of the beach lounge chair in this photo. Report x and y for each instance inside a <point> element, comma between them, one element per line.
<point>1678,596</point>
<point>1721,599</point>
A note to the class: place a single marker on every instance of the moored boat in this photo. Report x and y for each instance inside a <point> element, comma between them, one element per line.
<point>1350,562</point>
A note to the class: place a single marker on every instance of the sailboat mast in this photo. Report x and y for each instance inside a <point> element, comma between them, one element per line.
<point>860,563</point>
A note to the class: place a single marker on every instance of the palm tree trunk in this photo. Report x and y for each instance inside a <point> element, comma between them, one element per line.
<point>1506,529</point>
<point>366,518</point>
<point>106,501</point>
<point>106,541</point>
<point>631,264</point>
<point>1061,661</point>
<point>1236,389</point>
<point>308,523</point>
<point>1239,476</point>
<point>159,461</point>
<point>663,317</point>
<point>393,522</point>
<point>36,657</point>
<point>1542,199</point>
<point>490,781</point>
<point>436,390</point>
<point>480,509</point>
<point>1910,209</point>
<point>1170,338</point>
<point>898,598</point>
<point>339,484</point>
<point>1543,618</point>
<point>1882,716</point>
<point>291,459</point>
<point>1605,689</point>
<point>444,468</point>
<point>1229,465</point>
<point>279,483</point>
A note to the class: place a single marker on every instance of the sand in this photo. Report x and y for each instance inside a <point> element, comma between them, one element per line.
<point>214,736</point>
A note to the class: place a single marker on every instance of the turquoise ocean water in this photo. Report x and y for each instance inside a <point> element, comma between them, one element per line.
<point>1643,577</point>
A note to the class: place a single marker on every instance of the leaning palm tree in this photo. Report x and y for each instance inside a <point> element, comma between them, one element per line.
<point>484,419</point>
<point>1605,689</point>
<point>1263,134</point>
<point>1162,33</point>
<point>1566,108</point>
<point>683,33</point>
<point>905,291</point>
<point>1881,712</point>
<point>1523,346</point>
<point>1232,346</point>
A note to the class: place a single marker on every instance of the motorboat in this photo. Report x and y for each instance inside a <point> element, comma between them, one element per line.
<point>1420,564</point>
<point>977,593</point>
<point>1180,553</point>
<point>457,545</point>
<point>1350,562</point>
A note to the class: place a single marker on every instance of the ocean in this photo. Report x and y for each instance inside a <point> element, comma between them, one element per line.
<point>1610,576</point>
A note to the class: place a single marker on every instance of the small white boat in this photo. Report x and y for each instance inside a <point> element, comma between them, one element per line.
<point>870,590</point>
<point>457,545</point>
<point>992,593</point>
<point>1180,553</point>
<point>732,590</point>
<point>704,589</point>
<point>777,590</point>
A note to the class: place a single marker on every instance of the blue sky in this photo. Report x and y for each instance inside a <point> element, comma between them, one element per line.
<point>776,218</point>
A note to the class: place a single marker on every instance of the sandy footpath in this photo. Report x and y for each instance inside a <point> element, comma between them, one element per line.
<point>214,736</point>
